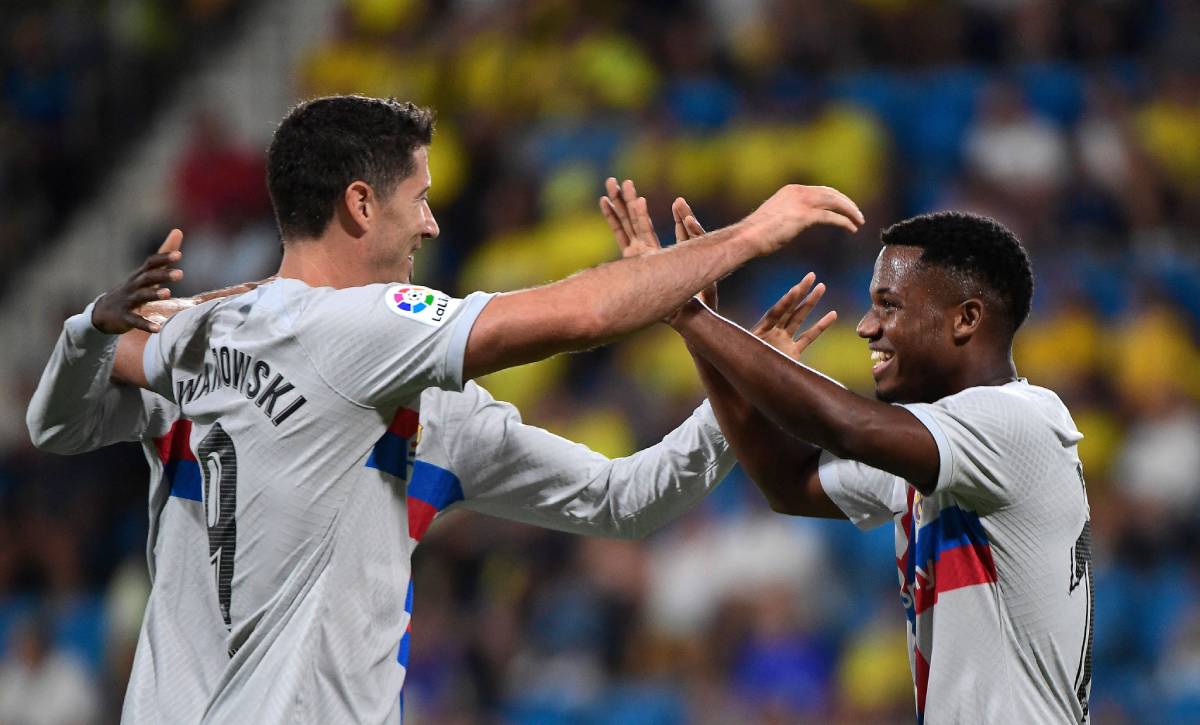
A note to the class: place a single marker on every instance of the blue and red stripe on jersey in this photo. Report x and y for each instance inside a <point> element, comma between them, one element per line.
<point>397,445</point>
<point>430,488</point>
<point>180,466</point>
<point>952,552</point>
<point>402,655</point>
<point>430,491</point>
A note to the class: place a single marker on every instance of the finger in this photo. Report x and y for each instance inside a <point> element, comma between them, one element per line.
<point>693,226</point>
<point>628,191</point>
<point>677,214</point>
<point>787,303</point>
<point>833,218</point>
<point>143,296</point>
<point>800,312</point>
<point>619,207</point>
<point>806,338</point>
<point>161,260</point>
<point>835,200</point>
<point>614,223</point>
<point>772,316</point>
<point>155,277</point>
<point>639,214</point>
<point>172,242</point>
<point>141,323</point>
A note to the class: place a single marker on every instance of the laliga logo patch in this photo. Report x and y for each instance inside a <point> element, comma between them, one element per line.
<point>421,304</point>
<point>411,299</point>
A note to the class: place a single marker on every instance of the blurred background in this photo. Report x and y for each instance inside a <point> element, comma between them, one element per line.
<point>1076,123</point>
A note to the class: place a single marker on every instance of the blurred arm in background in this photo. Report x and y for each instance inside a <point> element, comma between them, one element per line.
<point>77,406</point>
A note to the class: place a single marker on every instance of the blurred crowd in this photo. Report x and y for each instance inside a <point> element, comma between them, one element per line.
<point>1077,124</point>
<point>79,81</point>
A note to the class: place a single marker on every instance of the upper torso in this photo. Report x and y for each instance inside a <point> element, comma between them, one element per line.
<point>995,564</point>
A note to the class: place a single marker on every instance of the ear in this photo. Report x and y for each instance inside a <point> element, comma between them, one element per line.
<point>358,208</point>
<point>968,316</point>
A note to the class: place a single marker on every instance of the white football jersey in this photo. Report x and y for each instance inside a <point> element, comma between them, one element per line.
<point>284,508</point>
<point>995,565</point>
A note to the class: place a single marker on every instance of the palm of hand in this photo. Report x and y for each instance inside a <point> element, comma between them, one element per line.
<point>780,325</point>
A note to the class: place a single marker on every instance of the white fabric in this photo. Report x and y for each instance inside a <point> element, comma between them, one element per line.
<point>331,501</point>
<point>995,572</point>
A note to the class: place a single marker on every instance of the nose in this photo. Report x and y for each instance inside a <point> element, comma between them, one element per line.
<point>868,326</point>
<point>431,230</point>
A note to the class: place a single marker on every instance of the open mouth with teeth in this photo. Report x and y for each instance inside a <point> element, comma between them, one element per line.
<point>881,360</point>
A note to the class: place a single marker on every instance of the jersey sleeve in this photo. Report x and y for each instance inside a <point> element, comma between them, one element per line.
<point>992,443</point>
<point>520,472</point>
<point>380,345</point>
<point>868,496</point>
<point>76,407</point>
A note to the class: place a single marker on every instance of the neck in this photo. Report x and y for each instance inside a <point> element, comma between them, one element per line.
<point>323,262</point>
<point>995,370</point>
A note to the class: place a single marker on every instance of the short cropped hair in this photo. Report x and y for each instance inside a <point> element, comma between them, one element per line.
<point>978,251</point>
<point>325,144</point>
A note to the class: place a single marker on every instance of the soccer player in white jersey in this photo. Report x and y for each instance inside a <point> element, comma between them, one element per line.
<point>315,442</point>
<point>977,468</point>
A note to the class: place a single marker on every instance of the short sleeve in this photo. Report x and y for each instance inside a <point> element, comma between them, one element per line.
<point>380,345</point>
<point>868,496</point>
<point>993,443</point>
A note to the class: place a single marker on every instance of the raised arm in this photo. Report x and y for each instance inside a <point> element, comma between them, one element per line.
<point>77,406</point>
<point>783,467</point>
<point>603,303</point>
<point>810,406</point>
<point>802,402</point>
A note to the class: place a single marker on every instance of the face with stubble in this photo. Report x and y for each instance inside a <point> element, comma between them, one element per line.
<point>909,328</point>
<point>405,221</point>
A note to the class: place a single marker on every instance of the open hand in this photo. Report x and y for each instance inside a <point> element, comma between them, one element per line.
<point>794,208</point>
<point>629,218</point>
<point>118,310</point>
<point>687,226</point>
<point>778,327</point>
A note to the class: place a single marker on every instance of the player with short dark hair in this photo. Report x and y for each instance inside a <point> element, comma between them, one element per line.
<point>326,144</point>
<point>311,428</point>
<point>979,254</point>
<point>978,469</point>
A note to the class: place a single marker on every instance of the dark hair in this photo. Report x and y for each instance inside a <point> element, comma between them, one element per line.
<point>980,252</point>
<point>325,144</point>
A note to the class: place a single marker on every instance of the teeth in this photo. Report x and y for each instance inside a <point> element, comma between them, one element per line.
<point>879,356</point>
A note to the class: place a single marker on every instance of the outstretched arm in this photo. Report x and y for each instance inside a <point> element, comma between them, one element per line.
<point>606,302</point>
<point>810,406</point>
<point>524,473</point>
<point>805,403</point>
<point>783,467</point>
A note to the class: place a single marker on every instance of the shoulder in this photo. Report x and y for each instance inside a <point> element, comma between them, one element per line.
<point>1014,398</point>
<point>1016,409</point>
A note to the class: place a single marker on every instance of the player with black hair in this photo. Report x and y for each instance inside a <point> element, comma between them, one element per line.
<point>304,433</point>
<point>978,469</point>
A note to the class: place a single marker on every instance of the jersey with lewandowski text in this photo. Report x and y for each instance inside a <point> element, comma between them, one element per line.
<point>298,548</point>
<point>322,432</point>
<point>995,565</point>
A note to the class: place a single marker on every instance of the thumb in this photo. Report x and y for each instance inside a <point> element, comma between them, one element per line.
<point>172,242</point>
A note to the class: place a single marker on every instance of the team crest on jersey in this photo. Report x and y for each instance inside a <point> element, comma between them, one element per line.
<point>424,305</point>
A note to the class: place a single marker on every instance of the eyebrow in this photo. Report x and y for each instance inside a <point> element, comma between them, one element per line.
<point>882,290</point>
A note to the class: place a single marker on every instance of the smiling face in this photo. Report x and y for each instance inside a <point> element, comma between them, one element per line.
<point>405,221</point>
<point>909,328</point>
